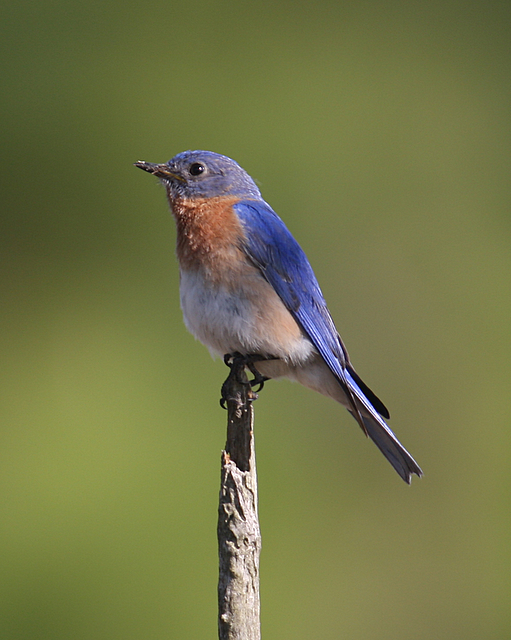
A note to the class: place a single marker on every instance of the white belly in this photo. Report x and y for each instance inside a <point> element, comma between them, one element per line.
<point>245,316</point>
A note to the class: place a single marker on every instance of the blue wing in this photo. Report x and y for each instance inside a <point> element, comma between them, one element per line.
<point>271,247</point>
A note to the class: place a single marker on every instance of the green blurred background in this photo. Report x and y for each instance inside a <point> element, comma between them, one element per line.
<point>380,132</point>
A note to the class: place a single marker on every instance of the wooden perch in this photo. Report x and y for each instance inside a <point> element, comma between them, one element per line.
<point>239,537</point>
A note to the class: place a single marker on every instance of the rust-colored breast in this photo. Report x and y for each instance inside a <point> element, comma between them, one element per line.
<point>208,233</point>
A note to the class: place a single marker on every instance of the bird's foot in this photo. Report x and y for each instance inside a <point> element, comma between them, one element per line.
<point>237,364</point>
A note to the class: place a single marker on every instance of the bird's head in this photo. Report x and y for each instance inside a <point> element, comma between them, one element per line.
<point>202,174</point>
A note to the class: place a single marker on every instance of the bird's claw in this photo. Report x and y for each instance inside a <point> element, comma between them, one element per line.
<point>237,363</point>
<point>258,379</point>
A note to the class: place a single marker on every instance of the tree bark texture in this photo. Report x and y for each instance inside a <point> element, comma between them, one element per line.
<point>239,537</point>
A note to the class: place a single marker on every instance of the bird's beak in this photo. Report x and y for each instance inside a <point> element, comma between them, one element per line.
<point>158,170</point>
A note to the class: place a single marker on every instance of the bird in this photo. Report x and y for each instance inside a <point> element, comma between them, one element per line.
<point>247,288</point>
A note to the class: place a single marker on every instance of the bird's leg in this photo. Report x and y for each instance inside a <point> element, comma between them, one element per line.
<point>237,363</point>
<point>258,377</point>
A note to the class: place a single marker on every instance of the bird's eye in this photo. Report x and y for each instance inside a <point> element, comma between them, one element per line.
<point>196,169</point>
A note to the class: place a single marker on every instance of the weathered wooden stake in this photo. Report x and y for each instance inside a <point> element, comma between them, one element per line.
<point>239,537</point>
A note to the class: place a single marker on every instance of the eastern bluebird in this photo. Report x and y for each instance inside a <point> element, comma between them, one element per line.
<point>247,287</point>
